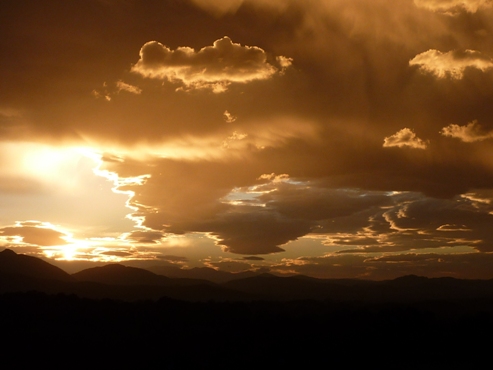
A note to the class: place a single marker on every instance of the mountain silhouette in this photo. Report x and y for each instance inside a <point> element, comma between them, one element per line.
<point>202,273</point>
<point>23,273</point>
<point>12,263</point>
<point>117,274</point>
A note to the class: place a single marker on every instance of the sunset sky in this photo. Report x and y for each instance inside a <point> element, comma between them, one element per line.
<point>330,138</point>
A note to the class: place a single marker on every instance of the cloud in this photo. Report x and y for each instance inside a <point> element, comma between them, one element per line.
<point>20,185</point>
<point>117,253</point>
<point>123,86</point>
<point>272,210</point>
<point>228,117</point>
<point>250,220</point>
<point>213,67</point>
<point>420,222</point>
<point>469,133</point>
<point>438,264</point>
<point>452,7</point>
<point>107,92</point>
<point>322,123</point>
<point>404,137</point>
<point>253,258</point>
<point>35,233</point>
<point>255,231</point>
<point>411,221</point>
<point>219,7</point>
<point>284,62</point>
<point>234,137</point>
<point>144,236</point>
<point>101,95</point>
<point>229,265</point>
<point>451,64</point>
<point>173,259</point>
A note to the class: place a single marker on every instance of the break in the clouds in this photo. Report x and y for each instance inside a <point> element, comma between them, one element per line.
<point>451,64</point>
<point>403,138</point>
<point>469,133</point>
<point>213,67</point>
<point>452,7</point>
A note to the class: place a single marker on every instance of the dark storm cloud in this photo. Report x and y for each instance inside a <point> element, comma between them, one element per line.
<point>255,231</point>
<point>116,253</point>
<point>418,222</point>
<point>309,202</point>
<point>253,258</point>
<point>144,236</point>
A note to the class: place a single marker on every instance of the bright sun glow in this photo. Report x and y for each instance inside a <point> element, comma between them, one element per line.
<point>60,166</point>
<point>68,171</point>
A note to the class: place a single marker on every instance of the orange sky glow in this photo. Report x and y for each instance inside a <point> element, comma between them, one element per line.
<point>329,138</point>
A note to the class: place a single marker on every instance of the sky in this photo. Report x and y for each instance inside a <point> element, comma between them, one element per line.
<point>329,138</point>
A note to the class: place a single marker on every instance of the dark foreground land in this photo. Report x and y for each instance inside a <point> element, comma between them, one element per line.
<point>260,322</point>
<point>65,329</point>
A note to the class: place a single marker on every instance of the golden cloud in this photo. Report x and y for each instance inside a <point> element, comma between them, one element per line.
<point>35,233</point>
<point>468,133</point>
<point>453,7</point>
<point>123,86</point>
<point>451,64</point>
<point>212,67</point>
<point>404,137</point>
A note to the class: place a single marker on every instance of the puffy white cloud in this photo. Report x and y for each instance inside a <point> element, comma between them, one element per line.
<point>404,137</point>
<point>451,64</point>
<point>213,67</point>
<point>453,7</point>
<point>469,133</point>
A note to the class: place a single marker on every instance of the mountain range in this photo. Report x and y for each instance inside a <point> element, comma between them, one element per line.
<point>21,273</point>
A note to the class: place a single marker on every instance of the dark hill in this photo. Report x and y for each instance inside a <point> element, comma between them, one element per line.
<point>203,273</point>
<point>404,289</point>
<point>21,273</point>
<point>116,274</point>
<point>12,263</point>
